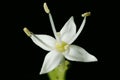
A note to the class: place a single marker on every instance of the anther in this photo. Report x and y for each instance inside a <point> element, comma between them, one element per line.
<point>86,14</point>
<point>46,8</point>
<point>28,33</point>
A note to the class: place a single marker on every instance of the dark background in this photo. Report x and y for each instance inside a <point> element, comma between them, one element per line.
<point>23,59</point>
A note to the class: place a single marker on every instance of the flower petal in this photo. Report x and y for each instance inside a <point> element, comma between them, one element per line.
<point>52,60</point>
<point>77,53</point>
<point>46,42</point>
<point>68,31</point>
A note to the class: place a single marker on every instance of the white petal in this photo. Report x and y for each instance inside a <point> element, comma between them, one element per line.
<point>46,42</point>
<point>77,53</point>
<point>52,60</point>
<point>68,31</point>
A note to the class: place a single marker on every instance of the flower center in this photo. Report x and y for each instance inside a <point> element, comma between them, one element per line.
<point>61,47</point>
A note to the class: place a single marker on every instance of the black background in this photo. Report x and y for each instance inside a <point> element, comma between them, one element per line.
<point>23,59</point>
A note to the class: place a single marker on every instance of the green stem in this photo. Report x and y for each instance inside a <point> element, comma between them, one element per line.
<point>59,73</point>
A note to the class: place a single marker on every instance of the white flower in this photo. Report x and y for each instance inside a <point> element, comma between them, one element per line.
<point>61,46</point>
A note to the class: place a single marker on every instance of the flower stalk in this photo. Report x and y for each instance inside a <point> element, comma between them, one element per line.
<point>59,73</point>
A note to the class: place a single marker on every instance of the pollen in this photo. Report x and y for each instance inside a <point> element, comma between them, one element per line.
<point>61,47</point>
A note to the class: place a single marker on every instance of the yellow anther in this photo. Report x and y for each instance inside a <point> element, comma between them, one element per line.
<point>28,33</point>
<point>61,47</point>
<point>66,47</point>
<point>86,14</point>
<point>46,8</point>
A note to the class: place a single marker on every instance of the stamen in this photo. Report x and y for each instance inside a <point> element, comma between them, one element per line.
<point>53,26</point>
<point>59,37</point>
<point>51,20</point>
<point>41,41</point>
<point>79,30</point>
<point>61,47</point>
<point>46,8</point>
<point>81,27</point>
<point>28,33</point>
<point>58,34</point>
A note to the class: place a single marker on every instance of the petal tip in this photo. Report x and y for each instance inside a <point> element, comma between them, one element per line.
<point>71,18</point>
<point>93,59</point>
<point>42,72</point>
